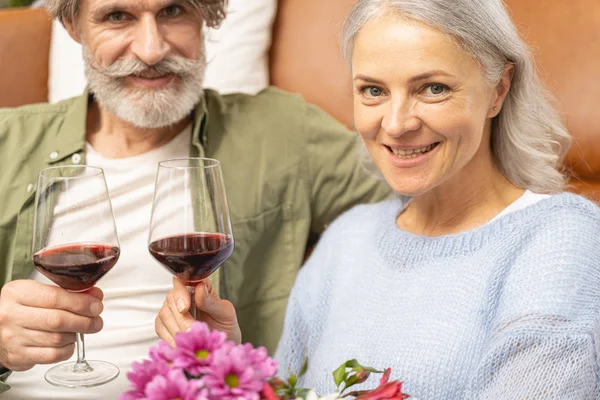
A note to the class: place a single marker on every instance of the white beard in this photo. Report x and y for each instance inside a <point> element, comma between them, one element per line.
<point>147,108</point>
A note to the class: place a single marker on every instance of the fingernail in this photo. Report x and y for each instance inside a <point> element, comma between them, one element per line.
<point>96,308</point>
<point>188,329</point>
<point>180,305</point>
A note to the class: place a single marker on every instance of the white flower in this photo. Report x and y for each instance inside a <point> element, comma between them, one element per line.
<point>312,395</point>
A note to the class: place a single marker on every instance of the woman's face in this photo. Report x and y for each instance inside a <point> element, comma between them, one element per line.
<point>421,104</point>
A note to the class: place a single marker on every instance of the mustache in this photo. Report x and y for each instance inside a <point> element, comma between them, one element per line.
<point>177,65</point>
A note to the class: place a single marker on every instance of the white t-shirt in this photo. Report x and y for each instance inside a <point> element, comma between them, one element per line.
<point>527,198</point>
<point>135,288</point>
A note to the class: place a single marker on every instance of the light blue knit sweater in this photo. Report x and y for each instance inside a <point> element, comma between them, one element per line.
<point>509,310</point>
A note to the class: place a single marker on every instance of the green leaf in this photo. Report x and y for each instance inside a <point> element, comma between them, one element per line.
<point>293,380</point>
<point>339,375</point>
<point>357,367</point>
<point>350,381</point>
<point>304,367</point>
<point>373,370</point>
<point>303,393</point>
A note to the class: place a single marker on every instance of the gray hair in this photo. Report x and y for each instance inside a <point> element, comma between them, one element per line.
<point>212,11</point>
<point>528,139</point>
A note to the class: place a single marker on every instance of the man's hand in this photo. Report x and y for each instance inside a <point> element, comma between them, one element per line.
<point>217,313</point>
<point>38,322</point>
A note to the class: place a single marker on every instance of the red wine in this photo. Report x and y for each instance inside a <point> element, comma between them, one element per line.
<point>194,256</point>
<point>76,267</point>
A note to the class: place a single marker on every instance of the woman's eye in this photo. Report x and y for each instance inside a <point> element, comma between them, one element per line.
<point>373,91</point>
<point>436,89</point>
<point>116,16</point>
<point>172,11</point>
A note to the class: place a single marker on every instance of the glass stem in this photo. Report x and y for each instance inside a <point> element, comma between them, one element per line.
<point>191,290</point>
<point>81,365</point>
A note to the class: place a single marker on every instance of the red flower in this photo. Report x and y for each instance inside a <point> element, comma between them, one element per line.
<point>268,393</point>
<point>385,377</point>
<point>386,390</point>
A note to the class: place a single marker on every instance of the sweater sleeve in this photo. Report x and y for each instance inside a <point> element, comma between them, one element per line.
<point>546,336</point>
<point>294,339</point>
<point>308,304</point>
<point>522,365</point>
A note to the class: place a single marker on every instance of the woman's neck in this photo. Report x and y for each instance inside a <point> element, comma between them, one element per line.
<point>470,199</point>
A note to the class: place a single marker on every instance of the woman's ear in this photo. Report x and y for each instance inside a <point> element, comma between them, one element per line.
<point>501,90</point>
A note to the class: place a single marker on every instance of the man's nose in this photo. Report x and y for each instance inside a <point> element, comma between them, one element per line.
<point>149,44</point>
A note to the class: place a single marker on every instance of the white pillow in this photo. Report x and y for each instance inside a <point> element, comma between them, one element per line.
<point>237,53</point>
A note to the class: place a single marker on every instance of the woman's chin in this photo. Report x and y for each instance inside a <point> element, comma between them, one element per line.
<point>407,186</point>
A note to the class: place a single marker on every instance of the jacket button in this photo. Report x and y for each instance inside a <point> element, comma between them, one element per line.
<point>76,158</point>
<point>29,188</point>
<point>54,155</point>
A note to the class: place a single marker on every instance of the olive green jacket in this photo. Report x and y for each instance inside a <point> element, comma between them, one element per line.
<point>289,169</point>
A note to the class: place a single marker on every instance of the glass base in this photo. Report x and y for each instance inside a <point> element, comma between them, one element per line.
<point>86,374</point>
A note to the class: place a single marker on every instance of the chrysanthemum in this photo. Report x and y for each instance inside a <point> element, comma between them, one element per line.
<point>195,349</point>
<point>141,374</point>
<point>174,385</point>
<point>239,372</point>
<point>163,353</point>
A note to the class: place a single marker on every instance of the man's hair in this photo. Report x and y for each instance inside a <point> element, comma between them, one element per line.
<point>212,11</point>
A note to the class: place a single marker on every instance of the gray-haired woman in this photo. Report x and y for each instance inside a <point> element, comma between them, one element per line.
<point>482,281</point>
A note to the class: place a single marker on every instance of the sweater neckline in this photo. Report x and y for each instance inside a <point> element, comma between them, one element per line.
<point>392,241</point>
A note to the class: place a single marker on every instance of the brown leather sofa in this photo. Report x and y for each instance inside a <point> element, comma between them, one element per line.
<point>305,58</point>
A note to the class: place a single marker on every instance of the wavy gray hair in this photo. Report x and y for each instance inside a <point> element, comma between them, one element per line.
<point>212,11</point>
<point>528,138</point>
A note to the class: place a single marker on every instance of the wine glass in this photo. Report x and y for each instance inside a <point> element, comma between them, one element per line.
<point>190,231</point>
<point>74,244</point>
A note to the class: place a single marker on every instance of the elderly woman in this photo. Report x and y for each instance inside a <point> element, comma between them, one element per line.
<point>482,280</point>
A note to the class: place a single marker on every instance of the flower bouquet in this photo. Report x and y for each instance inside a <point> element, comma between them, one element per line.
<point>204,365</point>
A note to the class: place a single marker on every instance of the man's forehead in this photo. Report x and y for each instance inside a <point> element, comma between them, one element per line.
<point>96,5</point>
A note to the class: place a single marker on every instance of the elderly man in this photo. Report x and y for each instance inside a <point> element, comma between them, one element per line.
<point>289,170</point>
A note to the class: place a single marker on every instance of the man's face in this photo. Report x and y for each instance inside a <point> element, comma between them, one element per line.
<point>144,59</point>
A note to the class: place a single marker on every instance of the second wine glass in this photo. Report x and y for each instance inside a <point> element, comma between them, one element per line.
<point>190,230</point>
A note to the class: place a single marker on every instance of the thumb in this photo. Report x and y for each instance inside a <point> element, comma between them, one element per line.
<point>209,302</point>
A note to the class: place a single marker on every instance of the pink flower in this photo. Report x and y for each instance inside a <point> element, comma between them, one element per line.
<point>174,386</point>
<point>163,353</point>
<point>237,373</point>
<point>140,375</point>
<point>195,348</point>
<point>261,360</point>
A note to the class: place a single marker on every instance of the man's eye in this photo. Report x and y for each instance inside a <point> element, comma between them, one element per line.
<point>436,89</point>
<point>116,16</point>
<point>172,11</point>
<point>372,91</point>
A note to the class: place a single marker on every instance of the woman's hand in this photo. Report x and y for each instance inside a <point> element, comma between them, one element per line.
<point>217,313</point>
